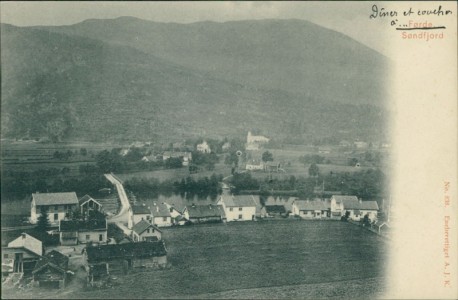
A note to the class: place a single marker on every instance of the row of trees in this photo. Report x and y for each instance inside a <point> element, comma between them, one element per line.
<point>18,187</point>
<point>367,184</point>
<point>152,187</point>
<point>113,161</point>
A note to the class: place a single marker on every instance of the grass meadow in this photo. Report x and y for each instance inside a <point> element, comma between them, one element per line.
<point>264,259</point>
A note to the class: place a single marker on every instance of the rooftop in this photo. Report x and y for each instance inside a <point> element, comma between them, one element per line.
<point>28,242</point>
<point>127,250</point>
<point>311,205</point>
<point>80,225</point>
<point>238,201</point>
<point>54,259</point>
<point>86,198</point>
<point>352,202</point>
<point>140,210</point>
<point>160,210</point>
<point>368,205</point>
<point>55,198</point>
<point>342,198</point>
<point>141,226</point>
<point>205,211</point>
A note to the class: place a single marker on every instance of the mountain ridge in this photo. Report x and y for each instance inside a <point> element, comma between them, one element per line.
<point>240,51</point>
<point>129,93</point>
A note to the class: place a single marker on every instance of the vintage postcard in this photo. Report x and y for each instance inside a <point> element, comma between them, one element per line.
<point>219,149</point>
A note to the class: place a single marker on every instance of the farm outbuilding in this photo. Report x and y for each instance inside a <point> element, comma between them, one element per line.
<point>51,270</point>
<point>118,259</point>
<point>205,213</point>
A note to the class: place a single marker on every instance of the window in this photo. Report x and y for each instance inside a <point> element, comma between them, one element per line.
<point>240,217</point>
<point>5,255</point>
<point>240,209</point>
<point>88,237</point>
<point>147,230</point>
<point>164,219</point>
<point>230,209</point>
<point>100,237</point>
<point>56,217</point>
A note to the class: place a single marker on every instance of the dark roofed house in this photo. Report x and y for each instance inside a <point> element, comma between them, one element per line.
<point>51,270</point>
<point>140,209</point>
<point>121,258</point>
<point>273,210</point>
<point>57,205</point>
<point>73,232</point>
<point>276,206</point>
<point>144,231</point>
<point>205,213</point>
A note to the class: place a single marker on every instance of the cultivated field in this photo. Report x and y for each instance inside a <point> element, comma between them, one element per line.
<point>176,174</point>
<point>265,259</point>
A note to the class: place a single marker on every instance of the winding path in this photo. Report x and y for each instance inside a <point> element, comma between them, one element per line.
<point>123,214</point>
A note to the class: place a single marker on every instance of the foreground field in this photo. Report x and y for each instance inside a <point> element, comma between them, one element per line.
<point>270,259</point>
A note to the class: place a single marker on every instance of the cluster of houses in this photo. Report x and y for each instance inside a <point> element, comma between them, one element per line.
<point>25,256</point>
<point>227,209</point>
<point>103,256</point>
<point>336,207</point>
<point>230,208</point>
<point>184,156</point>
<point>144,247</point>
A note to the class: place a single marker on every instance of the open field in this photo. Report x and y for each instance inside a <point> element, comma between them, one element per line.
<point>265,259</point>
<point>177,174</point>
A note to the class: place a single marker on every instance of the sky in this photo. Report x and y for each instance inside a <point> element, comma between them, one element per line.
<point>350,18</point>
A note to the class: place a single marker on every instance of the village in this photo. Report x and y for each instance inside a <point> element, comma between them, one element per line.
<point>89,237</point>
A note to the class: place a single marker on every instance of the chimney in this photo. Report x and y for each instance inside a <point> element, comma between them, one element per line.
<point>157,208</point>
<point>360,200</point>
<point>23,235</point>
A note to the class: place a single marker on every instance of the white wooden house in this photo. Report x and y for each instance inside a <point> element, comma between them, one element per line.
<point>238,208</point>
<point>311,209</point>
<point>144,231</point>
<point>138,213</point>
<point>73,232</point>
<point>355,207</point>
<point>56,205</point>
<point>161,215</point>
<point>178,215</point>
